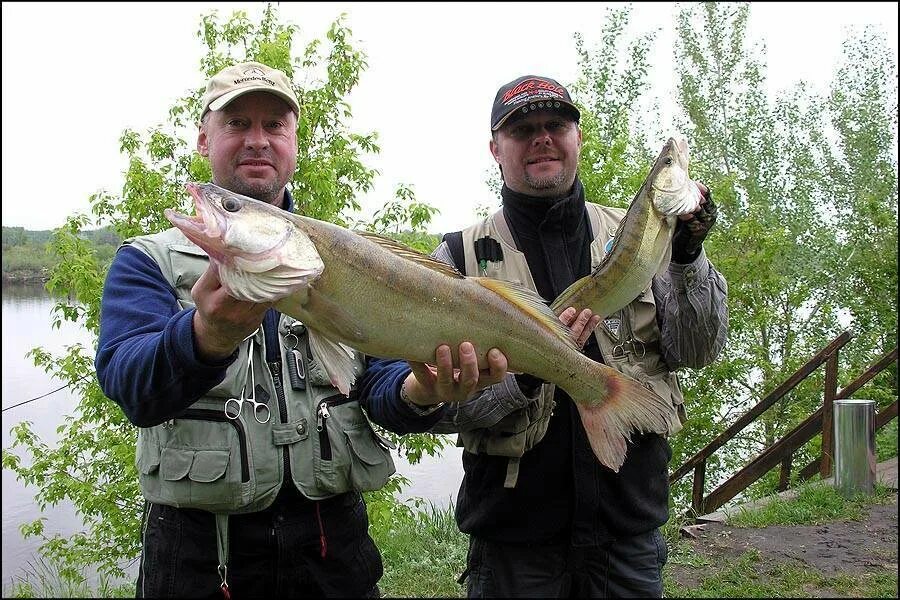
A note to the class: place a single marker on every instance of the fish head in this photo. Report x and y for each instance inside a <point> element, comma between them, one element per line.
<point>672,190</point>
<point>261,253</point>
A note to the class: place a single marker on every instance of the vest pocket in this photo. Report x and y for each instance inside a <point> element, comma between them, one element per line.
<point>200,459</point>
<point>350,456</point>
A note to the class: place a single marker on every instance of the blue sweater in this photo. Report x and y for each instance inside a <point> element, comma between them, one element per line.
<point>146,360</point>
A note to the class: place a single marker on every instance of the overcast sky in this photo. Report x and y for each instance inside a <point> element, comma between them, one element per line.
<point>75,75</point>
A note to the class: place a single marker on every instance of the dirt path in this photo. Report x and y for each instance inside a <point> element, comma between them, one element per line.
<point>848,547</point>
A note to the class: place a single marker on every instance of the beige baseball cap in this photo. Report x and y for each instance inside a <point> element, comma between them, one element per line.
<point>243,78</point>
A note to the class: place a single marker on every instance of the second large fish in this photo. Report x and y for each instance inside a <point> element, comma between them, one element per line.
<point>384,299</point>
<point>643,239</point>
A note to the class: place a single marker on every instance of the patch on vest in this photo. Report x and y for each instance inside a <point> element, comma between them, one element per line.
<point>612,325</point>
<point>612,237</point>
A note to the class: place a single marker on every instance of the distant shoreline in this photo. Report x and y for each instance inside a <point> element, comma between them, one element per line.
<point>22,276</point>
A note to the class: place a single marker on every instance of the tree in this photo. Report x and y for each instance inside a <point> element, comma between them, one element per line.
<point>94,464</point>
<point>792,204</point>
<point>614,158</point>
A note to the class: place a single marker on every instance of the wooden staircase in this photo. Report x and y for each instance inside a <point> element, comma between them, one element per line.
<point>782,452</point>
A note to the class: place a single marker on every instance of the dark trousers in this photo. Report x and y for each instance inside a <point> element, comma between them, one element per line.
<point>627,568</point>
<point>294,548</point>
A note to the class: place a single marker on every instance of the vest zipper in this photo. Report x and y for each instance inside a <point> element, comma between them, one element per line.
<point>275,370</point>
<point>322,415</point>
<point>215,415</point>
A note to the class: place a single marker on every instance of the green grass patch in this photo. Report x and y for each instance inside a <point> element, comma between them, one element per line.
<point>46,579</point>
<point>424,553</point>
<point>814,504</point>
<point>751,576</point>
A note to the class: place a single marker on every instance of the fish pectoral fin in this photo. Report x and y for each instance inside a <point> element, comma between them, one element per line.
<point>411,254</point>
<point>342,323</point>
<point>664,263</point>
<point>337,359</point>
<point>530,303</point>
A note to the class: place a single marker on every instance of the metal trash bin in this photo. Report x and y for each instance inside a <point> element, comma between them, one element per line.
<point>854,446</point>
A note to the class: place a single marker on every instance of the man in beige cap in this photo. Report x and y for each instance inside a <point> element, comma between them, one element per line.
<point>261,503</point>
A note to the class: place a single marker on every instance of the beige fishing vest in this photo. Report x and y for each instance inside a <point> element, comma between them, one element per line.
<point>628,340</point>
<point>201,459</point>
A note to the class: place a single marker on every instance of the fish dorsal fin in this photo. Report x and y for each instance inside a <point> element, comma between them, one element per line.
<point>531,304</point>
<point>404,251</point>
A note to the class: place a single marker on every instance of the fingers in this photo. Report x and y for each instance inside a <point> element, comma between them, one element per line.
<point>581,324</point>
<point>497,366</point>
<point>447,381</point>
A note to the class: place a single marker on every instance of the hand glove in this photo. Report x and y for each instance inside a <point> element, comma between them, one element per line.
<point>689,235</point>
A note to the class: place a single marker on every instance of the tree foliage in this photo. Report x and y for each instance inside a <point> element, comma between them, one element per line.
<point>804,185</point>
<point>614,159</point>
<point>93,466</point>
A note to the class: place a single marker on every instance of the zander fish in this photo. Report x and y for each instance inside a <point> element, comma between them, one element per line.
<point>643,240</point>
<point>384,299</point>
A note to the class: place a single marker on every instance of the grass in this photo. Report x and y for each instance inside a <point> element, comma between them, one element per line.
<point>424,553</point>
<point>43,579</point>
<point>815,503</point>
<point>751,576</point>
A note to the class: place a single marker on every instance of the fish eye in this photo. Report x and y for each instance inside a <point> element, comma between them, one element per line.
<point>231,204</point>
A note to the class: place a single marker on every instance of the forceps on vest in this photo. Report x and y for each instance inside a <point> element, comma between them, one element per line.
<point>259,408</point>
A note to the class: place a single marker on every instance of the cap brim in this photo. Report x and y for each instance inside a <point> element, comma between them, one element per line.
<point>223,100</point>
<point>564,105</point>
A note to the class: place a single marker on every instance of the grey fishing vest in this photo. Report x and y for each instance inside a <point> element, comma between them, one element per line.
<point>628,340</point>
<point>202,459</point>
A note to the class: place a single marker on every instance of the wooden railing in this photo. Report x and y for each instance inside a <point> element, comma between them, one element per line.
<point>782,451</point>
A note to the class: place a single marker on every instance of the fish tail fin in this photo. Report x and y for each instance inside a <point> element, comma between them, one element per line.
<point>611,414</point>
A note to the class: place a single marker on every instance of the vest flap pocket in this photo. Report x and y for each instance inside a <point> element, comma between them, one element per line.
<point>364,446</point>
<point>188,249</point>
<point>208,465</point>
<point>147,459</point>
<point>174,463</point>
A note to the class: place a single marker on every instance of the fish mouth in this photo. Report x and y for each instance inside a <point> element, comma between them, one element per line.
<point>204,228</point>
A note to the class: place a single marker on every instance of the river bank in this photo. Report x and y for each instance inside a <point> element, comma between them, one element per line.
<point>26,276</point>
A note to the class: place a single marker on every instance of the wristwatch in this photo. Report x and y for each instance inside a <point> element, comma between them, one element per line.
<point>419,410</point>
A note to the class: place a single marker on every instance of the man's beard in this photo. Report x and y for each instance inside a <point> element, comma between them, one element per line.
<point>553,182</point>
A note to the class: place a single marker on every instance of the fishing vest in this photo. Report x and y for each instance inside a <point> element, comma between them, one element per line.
<point>202,459</point>
<point>628,340</point>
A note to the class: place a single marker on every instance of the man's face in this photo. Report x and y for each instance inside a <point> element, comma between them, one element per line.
<point>538,153</point>
<point>252,146</point>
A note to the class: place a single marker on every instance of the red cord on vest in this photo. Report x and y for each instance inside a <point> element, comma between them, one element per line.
<point>323,543</point>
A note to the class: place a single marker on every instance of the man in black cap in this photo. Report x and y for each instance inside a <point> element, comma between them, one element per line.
<point>545,518</point>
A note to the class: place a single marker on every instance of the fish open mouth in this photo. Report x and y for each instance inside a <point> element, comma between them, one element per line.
<point>203,228</point>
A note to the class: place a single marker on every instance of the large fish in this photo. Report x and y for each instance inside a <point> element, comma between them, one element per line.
<point>385,299</point>
<point>643,240</point>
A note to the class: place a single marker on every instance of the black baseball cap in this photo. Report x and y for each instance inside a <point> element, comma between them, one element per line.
<point>528,93</point>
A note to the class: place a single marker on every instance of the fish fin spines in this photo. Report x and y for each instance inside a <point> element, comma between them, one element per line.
<point>411,254</point>
<point>530,303</point>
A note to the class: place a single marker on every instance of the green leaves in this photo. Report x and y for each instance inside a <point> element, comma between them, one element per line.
<point>807,236</point>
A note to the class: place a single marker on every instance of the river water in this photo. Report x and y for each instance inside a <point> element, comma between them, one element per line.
<point>27,324</point>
